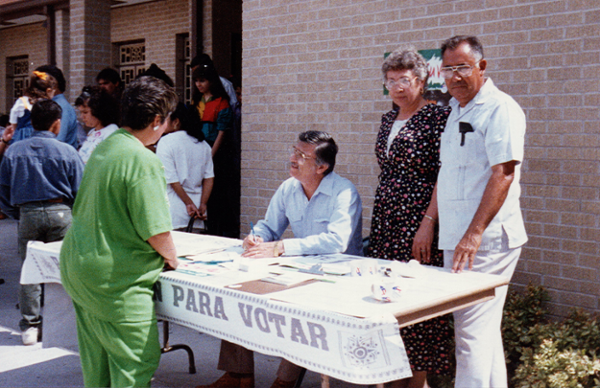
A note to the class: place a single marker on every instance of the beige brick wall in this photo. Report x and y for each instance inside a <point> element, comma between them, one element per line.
<point>158,23</point>
<point>19,41</point>
<point>315,65</point>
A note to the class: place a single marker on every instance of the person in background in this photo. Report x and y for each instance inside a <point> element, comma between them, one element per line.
<point>210,111</point>
<point>407,151</point>
<point>39,178</point>
<point>324,211</point>
<point>41,86</point>
<point>204,60</point>
<point>98,111</point>
<point>110,80</point>
<point>477,199</point>
<point>119,243</point>
<point>69,126</point>
<point>188,169</point>
<point>3,124</point>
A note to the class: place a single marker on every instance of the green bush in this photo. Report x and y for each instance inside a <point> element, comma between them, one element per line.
<point>542,354</point>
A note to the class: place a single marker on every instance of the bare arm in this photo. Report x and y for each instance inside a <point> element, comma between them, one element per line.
<point>7,136</point>
<point>163,244</point>
<point>493,198</point>
<point>207,186</point>
<point>190,206</point>
<point>217,143</point>
<point>423,240</point>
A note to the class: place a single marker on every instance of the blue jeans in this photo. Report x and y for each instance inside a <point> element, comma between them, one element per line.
<point>39,221</point>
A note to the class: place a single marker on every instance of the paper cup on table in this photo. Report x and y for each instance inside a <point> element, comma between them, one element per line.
<point>364,268</point>
<point>385,291</point>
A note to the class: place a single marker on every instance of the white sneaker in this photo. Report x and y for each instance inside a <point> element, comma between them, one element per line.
<point>30,336</point>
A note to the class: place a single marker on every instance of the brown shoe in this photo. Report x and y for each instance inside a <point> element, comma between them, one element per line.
<point>278,383</point>
<point>232,380</point>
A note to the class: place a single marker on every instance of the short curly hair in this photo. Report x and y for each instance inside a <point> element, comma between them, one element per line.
<point>406,58</point>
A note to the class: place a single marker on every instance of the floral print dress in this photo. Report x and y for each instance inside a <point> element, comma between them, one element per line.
<point>408,175</point>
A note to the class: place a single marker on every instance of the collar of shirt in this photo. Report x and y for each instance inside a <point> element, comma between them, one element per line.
<point>325,187</point>
<point>481,97</point>
<point>47,134</point>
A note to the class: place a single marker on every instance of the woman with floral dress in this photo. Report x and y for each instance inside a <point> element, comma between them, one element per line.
<point>407,151</point>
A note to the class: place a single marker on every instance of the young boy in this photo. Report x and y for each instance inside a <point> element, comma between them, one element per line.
<point>39,178</point>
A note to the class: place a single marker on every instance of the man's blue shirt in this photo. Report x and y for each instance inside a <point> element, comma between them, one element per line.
<point>68,122</point>
<point>38,169</point>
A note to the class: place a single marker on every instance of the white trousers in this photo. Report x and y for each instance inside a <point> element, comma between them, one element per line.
<point>480,361</point>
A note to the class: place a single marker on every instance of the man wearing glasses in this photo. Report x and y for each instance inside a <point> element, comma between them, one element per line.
<point>481,226</point>
<point>324,211</point>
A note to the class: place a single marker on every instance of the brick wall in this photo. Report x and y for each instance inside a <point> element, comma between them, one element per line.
<point>316,65</point>
<point>27,40</point>
<point>158,23</point>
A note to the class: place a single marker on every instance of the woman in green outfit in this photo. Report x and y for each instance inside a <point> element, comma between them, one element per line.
<point>119,243</point>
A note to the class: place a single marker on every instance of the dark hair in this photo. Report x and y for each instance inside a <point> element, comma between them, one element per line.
<point>182,114</point>
<point>102,105</point>
<point>144,99</point>
<point>39,82</point>
<point>202,59</point>
<point>4,120</point>
<point>110,75</point>
<point>44,113</point>
<point>57,74</point>
<point>472,41</point>
<point>157,72</point>
<point>216,87</point>
<point>325,150</point>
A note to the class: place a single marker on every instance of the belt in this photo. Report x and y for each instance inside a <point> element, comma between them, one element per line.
<point>53,200</point>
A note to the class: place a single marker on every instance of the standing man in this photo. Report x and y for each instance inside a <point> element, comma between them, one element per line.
<point>324,211</point>
<point>39,178</point>
<point>481,226</point>
<point>69,126</point>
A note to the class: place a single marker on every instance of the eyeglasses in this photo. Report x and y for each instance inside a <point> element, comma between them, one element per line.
<point>301,156</point>
<point>447,72</point>
<point>403,82</point>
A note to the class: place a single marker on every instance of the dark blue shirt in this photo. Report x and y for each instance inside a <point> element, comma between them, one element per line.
<point>38,169</point>
<point>68,122</point>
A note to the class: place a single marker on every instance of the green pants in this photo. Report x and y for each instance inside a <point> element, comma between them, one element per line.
<point>123,354</point>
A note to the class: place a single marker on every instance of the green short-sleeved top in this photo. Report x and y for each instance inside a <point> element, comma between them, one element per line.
<point>107,266</point>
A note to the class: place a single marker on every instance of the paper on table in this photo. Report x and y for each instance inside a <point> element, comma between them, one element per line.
<point>337,264</point>
<point>228,254</point>
<point>289,278</point>
<point>189,244</point>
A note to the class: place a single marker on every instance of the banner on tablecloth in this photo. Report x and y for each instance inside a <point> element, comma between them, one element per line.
<point>356,350</point>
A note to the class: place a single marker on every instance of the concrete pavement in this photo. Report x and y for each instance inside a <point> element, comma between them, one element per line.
<point>35,366</point>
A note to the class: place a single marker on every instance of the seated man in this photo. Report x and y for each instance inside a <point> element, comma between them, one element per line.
<point>39,178</point>
<point>325,214</point>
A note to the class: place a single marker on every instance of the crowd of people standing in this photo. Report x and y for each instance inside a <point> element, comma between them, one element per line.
<point>448,196</point>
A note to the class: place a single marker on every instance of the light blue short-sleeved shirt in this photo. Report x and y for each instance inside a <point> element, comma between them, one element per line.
<point>331,222</point>
<point>498,136</point>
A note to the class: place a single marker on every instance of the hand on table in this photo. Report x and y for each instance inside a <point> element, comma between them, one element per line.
<point>465,252</point>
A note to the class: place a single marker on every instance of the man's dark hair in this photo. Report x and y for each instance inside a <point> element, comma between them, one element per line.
<point>144,99</point>
<point>472,41</point>
<point>110,75</point>
<point>325,150</point>
<point>57,74</point>
<point>44,113</point>
<point>102,105</point>
<point>157,72</point>
<point>4,120</point>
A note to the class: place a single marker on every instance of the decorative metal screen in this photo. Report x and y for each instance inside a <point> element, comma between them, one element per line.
<point>132,61</point>
<point>19,76</point>
<point>188,70</point>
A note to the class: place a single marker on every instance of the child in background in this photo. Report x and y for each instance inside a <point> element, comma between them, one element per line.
<point>41,86</point>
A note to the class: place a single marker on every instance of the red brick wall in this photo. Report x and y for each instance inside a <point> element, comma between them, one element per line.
<point>316,65</point>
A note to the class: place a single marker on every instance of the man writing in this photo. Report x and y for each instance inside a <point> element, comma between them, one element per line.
<point>324,211</point>
<point>481,226</point>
